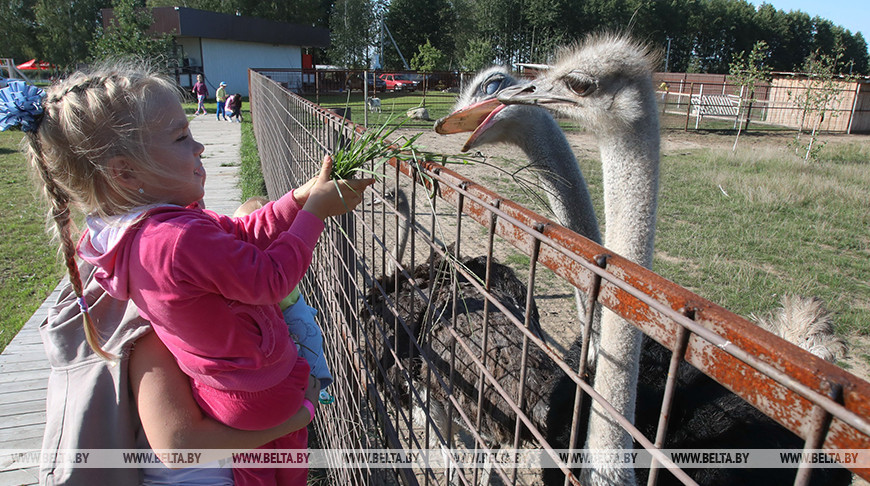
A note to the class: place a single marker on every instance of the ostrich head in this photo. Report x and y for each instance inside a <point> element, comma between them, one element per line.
<point>604,81</point>
<point>478,111</point>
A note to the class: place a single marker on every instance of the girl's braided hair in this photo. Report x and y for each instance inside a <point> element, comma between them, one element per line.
<point>88,119</point>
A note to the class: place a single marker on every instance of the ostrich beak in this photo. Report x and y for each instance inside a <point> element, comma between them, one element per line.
<point>532,94</point>
<point>476,118</point>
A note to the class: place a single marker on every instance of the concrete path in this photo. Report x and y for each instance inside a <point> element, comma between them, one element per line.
<point>23,366</point>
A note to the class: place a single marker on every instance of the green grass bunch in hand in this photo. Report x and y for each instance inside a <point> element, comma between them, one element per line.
<point>373,145</point>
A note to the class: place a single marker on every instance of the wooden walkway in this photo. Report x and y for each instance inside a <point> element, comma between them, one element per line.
<point>24,366</point>
<point>23,378</point>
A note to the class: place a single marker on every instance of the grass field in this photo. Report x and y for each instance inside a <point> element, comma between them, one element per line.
<point>29,266</point>
<point>438,104</point>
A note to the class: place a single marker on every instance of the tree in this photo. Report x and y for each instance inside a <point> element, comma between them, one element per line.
<point>822,93</point>
<point>305,12</point>
<point>18,31</point>
<point>477,55</point>
<point>64,29</point>
<point>351,26</point>
<point>748,73</point>
<point>855,53</point>
<point>412,22</point>
<point>542,29</point>
<point>722,27</point>
<point>128,36</point>
<point>427,59</point>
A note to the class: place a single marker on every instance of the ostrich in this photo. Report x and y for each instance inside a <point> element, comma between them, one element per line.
<point>613,75</point>
<point>806,322</point>
<point>424,302</point>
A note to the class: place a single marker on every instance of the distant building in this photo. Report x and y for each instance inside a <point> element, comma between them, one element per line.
<point>223,47</point>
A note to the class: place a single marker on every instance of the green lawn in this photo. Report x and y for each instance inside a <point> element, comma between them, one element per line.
<point>741,231</point>
<point>29,266</point>
<point>438,104</point>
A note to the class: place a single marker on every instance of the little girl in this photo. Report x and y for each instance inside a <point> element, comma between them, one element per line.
<point>117,145</point>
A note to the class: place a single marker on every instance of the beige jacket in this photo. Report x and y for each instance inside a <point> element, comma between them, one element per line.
<point>89,404</point>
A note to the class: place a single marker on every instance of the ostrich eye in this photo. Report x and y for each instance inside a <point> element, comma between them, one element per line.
<point>581,86</point>
<point>492,86</point>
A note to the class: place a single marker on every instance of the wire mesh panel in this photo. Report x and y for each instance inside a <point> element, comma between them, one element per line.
<point>449,317</point>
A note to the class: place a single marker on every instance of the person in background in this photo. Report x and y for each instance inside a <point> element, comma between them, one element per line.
<point>234,104</point>
<point>221,98</point>
<point>201,92</point>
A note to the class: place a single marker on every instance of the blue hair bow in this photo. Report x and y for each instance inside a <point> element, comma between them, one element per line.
<point>20,106</point>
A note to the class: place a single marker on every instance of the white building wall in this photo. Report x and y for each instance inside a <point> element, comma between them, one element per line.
<point>190,45</point>
<point>229,61</point>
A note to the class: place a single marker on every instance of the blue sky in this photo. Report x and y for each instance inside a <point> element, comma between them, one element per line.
<point>848,13</point>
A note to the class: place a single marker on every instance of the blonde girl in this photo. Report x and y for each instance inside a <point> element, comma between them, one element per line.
<point>116,144</point>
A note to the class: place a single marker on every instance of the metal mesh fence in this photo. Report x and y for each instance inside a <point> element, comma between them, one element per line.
<point>450,322</point>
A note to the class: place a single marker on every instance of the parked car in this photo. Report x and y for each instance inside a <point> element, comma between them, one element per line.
<point>354,81</point>
<point>398,82</point>
<point>378,83</point>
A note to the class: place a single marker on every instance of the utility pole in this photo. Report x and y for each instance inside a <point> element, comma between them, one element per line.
<point>404,62</point>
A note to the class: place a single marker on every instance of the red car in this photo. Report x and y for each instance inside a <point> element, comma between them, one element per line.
<point>398,82</point>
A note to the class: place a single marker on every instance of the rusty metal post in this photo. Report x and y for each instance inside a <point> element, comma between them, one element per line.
<point>821,420</point>
<point>670,391</point>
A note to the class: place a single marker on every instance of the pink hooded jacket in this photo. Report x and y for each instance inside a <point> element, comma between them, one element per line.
<point>210,285</point>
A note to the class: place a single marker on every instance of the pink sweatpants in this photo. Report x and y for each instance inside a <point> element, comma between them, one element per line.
<point>262,410</point>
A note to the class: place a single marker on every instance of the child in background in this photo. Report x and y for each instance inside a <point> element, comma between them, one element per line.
<point>234,105</point>
<point>116,144</point>
<point>228,108</point>
<point>200,90</point>
<point>300,320</point>
<point>220,97</point>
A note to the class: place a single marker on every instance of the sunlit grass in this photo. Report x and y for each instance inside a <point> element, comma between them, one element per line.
<point>743,230</point>
<point>29,266</point>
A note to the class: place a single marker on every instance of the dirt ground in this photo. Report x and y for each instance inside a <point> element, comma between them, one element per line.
<point>673,142</point>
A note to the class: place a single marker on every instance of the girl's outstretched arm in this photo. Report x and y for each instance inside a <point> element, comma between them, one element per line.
<point>172,419</point>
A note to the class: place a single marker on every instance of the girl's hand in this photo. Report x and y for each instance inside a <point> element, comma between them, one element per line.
<point>324,197</point>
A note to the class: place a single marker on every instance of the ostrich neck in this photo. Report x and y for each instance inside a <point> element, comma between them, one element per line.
<point>547,149</point>
<point>630,169</point>
<point>630,166</point>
